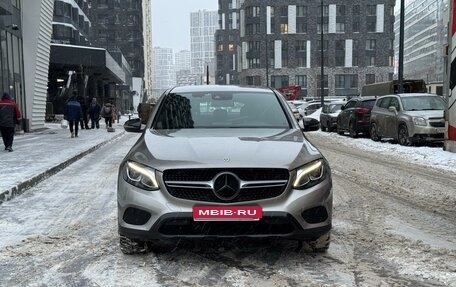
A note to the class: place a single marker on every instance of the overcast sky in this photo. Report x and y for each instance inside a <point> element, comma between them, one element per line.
<point>171,21</point>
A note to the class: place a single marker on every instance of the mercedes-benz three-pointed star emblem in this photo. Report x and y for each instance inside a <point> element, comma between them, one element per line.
<point>226,186</point>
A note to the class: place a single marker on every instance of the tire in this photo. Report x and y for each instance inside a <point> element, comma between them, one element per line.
<point>320,244</point>
<point>131,246</point>
<point>402,136</point>
<point>322,127</point>
<point>374,133</point>
<point>352,129</point>
<point>339,131</point>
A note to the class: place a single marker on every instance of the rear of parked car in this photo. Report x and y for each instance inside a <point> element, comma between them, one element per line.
<point>355,116</point>
<point>408,118</point>
<point>329,114</point>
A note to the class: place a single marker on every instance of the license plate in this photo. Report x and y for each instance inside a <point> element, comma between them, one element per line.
<point>227,213</point>
<point>440,130</point>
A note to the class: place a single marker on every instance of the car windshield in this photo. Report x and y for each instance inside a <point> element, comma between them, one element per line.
<point>423,103</point>
<point>221,110</point>
<point>334,108</point>
<point>368,104</point>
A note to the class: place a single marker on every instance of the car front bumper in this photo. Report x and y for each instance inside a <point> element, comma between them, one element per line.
<point>295,214</point>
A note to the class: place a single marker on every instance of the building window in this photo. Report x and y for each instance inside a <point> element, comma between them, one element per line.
<point>254,63</point>
<point>371,25</point>
<point>371,44</point>
<point>254,46</point>
<point>253,80</point>
<point>356,26</point>
<point>301,28</point>
<point>231,47</point>
<point>252,11</point>
<point>340,53</point>
<point>301,80</point>
<point>252,29</point>
<point>279,81</point>
<point>220,47</point>
<point>283,28</point>
<point>325,28</point>
<point>340,27</point>
<point>346,81</point>
<point>301,45</point>
<point>284,11</point>
<point>370,61</point>
<point>301,11</point>
<point>371,10</point>
<point>301,60</point>
<point>370,79</point>
<point>340,10</point>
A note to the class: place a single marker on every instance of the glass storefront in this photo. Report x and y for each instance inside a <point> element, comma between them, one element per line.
<point>11,62</point>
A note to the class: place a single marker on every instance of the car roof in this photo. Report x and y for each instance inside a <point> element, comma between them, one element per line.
<point>364,98</point>
<point>407,95</point>
<point>219,88</point>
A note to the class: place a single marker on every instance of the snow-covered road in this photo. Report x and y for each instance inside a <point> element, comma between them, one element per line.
<point>394,225</point>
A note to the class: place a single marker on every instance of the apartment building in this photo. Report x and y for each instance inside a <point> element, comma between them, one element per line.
<point>278,43</point>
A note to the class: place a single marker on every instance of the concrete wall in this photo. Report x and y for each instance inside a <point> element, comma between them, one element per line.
<point>37,30</point>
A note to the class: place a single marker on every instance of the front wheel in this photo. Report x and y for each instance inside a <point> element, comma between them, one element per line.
<point>320,244</point>
<point>131,246</point>
<point>403,137</point>
<point>374,133</point>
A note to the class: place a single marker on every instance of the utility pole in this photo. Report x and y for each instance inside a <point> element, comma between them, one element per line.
<point>321,56</point>
<point>207,74</point>
<point>400,75</point>
<point>267,59</point>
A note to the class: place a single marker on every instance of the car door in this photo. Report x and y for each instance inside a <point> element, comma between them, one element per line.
<point>380,116</point>
<point>345,115</point>
<point>391,118</point>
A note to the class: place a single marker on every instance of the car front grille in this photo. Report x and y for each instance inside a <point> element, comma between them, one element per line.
<point>437,122</point>
<point>198,184</point>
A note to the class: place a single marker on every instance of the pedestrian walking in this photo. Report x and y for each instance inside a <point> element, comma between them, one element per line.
<point>84,120</point>
<point>10,116</point>
<point>94,114</point>
<point>106,113</point>
<point>118,115</point>
<point>73,114</point>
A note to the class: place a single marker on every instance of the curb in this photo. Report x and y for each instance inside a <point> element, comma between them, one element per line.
<point>31,182</point>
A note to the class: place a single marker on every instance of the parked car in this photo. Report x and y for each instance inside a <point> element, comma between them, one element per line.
<point>198,173</point>
<point>355,116</point>
<point>408,118</point>
<point>311,124</point>
<point>329,114</point>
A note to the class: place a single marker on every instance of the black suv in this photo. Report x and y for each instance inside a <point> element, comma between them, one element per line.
<point>355,116</point>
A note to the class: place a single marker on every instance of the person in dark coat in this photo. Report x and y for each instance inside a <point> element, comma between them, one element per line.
<point>10,115</point>
<point>84,120</point>
<point>73,114</point>
<point>94,114</point>
<point>106,113</point>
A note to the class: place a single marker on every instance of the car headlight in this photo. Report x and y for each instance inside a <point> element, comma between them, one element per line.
<point>310,174</point>
<point>140,176</point>
<point>419,121</point>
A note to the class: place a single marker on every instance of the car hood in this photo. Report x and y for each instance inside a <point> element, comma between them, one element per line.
<point>425,114</point>
<point>203,148</point>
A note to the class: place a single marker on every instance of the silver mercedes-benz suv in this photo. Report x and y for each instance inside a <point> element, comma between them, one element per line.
<point>222,162</point>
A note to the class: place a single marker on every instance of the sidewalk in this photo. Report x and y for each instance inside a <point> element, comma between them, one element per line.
<point>38,155</point>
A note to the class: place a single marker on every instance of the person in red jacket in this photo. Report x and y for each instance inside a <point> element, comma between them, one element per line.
<point>9,117</point>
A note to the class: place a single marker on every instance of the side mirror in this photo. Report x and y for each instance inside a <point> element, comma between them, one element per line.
<point>133,126</point>
<point>392,109</point>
